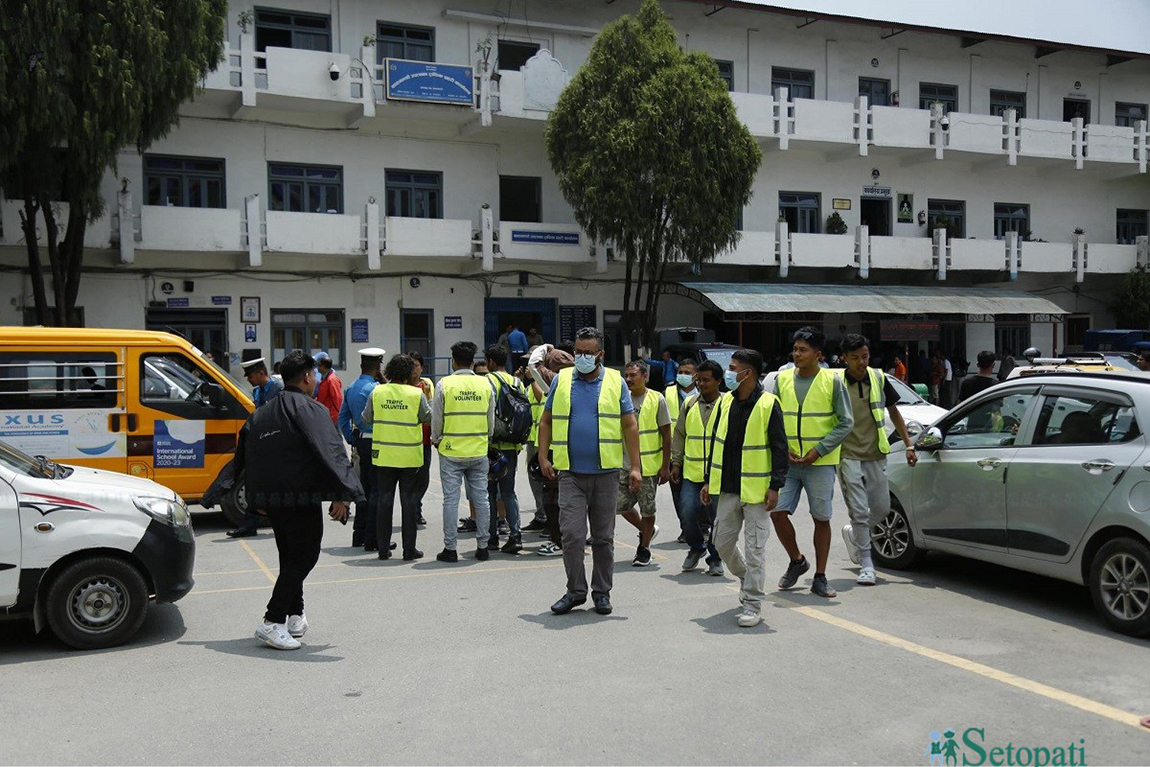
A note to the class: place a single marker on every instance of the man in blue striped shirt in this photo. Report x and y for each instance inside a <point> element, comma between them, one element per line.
<point>358,435</point>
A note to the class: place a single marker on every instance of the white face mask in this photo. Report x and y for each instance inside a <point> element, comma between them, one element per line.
<point>586,363</point>
<point>731,379</point>
<point>685,380</point>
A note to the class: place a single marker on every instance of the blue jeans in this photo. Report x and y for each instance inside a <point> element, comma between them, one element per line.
<point>693,510</point>
<point>453,472</point>
<point>818,481</point>
<point>505,489</point>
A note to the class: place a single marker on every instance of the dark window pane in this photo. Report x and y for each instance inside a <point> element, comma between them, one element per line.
<point>513,55</point>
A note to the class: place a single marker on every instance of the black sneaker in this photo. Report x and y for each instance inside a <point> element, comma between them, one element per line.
<point>503,528</point>
<point>514,545</point>
<point>642,557</point>
<point>466,525</point>
<point>535,524</point>
<point>794,571</point>
<point>482,555</point>
<point>820,587</point>
<point>241,532</point>
<point>422,522</point>
<point>493,542</point>
<point>447,555</point>
<point>412,554</point>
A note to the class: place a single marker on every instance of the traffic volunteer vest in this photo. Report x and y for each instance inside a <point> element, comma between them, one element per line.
<point>674,400</point>
<point>877,403</point>
<point>694,446</point>
<point>650,440</point>
<point>466,402</point>
<point>806,425</point>
<point>396,434</point>
<point>536,414</point>
<point>607,411</point>
<point>756,449</point>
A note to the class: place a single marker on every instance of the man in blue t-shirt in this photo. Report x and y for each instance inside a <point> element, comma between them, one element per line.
<point>588,491</point>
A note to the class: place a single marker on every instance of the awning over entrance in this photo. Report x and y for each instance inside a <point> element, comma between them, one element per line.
<point>749,301</point>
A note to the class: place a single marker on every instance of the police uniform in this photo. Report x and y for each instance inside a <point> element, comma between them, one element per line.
<point>357,433</point>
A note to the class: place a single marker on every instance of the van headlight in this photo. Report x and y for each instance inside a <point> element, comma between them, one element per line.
<point>174,513</point>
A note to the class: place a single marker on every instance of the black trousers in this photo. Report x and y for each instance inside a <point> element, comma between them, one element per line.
<point>423,480</point>
<point>387,478</point>
<point>363,526</point>
<point>298,532</point>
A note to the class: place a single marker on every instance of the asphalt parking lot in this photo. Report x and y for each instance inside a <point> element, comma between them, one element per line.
<point>464,664</point>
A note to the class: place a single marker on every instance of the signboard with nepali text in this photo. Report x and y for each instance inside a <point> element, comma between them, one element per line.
<point>909,330</point>
<point>433,83</point>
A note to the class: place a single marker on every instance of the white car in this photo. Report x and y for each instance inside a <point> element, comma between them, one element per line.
<point>84,550</point>
<point>917,412</point>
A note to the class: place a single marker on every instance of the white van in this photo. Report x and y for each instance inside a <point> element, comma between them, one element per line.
<point>85,550</point>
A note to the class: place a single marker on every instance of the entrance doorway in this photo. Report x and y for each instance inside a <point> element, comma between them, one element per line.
<point>415,333</point>
<point>524,313</point>
<point>1072,108</point>
<point>875,212</point>
<point>206,329</point>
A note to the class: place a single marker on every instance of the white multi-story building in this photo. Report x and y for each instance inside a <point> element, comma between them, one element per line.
<point>354,173</point>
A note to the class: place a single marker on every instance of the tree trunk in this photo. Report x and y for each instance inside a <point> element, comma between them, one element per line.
<point>72,249</point>
<point>55,259</point>
<point>35,266</point>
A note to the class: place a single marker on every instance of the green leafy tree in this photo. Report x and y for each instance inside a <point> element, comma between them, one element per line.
<point>1131,305</point>
<point>651,156</point>
<point>83,79</point>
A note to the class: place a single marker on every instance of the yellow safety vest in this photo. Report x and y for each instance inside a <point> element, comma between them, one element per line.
<point>396,434</point>
<point>877,403</point>
<point>608,413</point>
<point>536,414</point>
<point>499,379</point>
<point>695,444</point>
<point>807,424</point>
<point>650,439</point>
<point>756,451</point>
<point>466,402</point>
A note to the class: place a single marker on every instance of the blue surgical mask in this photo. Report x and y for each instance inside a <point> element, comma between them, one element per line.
<point>731,379</point>
<point>684,380</point>
<point>586,363</point>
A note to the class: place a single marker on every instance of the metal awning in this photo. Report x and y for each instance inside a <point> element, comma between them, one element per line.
<point>743,301</point>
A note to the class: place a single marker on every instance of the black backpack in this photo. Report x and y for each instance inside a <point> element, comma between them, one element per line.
<point>512,413</point>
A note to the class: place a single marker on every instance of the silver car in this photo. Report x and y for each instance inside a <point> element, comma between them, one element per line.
<point>1049,475</point>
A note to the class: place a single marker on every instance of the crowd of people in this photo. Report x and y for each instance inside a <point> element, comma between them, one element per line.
<point>596,443</point>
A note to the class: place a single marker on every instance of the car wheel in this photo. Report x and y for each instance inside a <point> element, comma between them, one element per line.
<point>892,543</point>
<point>1120,585</point>
<point>97,602</point>
<point>234,504</point>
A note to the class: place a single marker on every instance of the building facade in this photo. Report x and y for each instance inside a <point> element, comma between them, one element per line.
<point>357,173</point>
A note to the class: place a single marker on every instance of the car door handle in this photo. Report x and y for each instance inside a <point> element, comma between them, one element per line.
<point>1097,467</point>
<point>990,464</point>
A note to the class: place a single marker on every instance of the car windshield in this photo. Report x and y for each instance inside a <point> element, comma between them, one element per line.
<point>721,356</point>
<point>22,463</point>
<point>906,395</point>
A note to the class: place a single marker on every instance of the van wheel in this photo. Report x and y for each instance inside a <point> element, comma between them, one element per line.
<point>892,542</point>
<point>234,504</point>
<point>1120,585</point>
<point>97,602</point>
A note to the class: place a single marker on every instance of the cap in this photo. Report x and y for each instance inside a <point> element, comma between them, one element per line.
<point>249,364</point>
<point>372,351</point>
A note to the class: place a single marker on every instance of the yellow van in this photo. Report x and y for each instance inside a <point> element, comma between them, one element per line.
<point>143,403</point>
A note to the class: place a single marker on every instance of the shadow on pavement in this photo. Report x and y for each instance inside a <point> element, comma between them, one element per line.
<point>254,648</point>
<point>697,578</point>
<point>580,616</point>
<point>725,623</point>
<point>1049,598</point>
<point>164,624</point>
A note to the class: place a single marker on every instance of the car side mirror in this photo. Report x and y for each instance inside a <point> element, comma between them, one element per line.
<point>929,439</point>
<point>214,394</point>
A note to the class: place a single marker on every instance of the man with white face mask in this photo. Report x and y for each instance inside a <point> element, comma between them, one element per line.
<point>676,395</point>
<point>587,420</point>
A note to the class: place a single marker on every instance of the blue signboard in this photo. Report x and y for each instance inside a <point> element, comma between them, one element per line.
<point>221,300</point>
<point>423,81</point>
<point>177,303</point>
<point>359,331</point>
<point>453,322</point>
<point>178,445</point>
<point>546,238</point>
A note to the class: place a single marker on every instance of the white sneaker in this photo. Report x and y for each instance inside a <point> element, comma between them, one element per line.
<point>866,577</point>
<point>276,635</point>
<point>550,549</point>
<point>297,625</point>
<point>748,618</point>
<point>852,549</point>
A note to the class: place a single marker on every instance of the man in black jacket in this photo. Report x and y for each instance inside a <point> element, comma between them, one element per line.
<point>294,460</point>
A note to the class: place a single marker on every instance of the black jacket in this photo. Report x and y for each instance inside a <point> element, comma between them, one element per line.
<point>293,455</point>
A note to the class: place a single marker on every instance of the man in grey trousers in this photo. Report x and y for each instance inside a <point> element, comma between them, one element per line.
<point>587,420</point>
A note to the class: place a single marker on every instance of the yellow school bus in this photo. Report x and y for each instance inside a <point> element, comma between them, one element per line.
<point>143,403</point>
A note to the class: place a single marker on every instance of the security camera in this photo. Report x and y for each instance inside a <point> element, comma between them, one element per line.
<point>333,71</point>
<point>944,123</point>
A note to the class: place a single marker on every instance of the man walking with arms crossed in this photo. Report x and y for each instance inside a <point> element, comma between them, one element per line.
<point>654,459</point>
<point>462,419</point>
<point>688,464</point>
<point>587,421</point>
<point>862,468</point>
<point>817,416</point>
<point>747,464</point>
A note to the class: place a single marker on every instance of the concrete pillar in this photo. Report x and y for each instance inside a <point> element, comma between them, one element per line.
<point>783,118</point>
<point>367,61</point>
<point>827,89</point>
<point>1013,255</point>
<point>487,237</point>
<point>1011,135</point>
<point>862,250</point>
<point>862,124</point>
<point>783,245</point>
<point>247,69</point>
<point>976,87</point>
<point>1079,138</point>
<point>905,85</point>
<point>371,217</point>
<point>253,217</point>
<point>127,228</point>
<point>1079,256</point>
<point>941,252</point>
